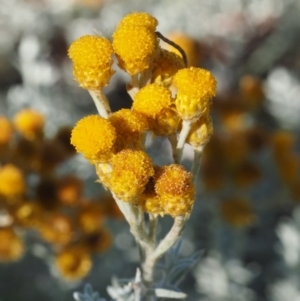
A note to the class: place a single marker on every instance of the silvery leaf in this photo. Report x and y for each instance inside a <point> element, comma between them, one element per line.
<point>164,293</point>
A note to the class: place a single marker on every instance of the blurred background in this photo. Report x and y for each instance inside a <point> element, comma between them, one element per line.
<point>246,219</point>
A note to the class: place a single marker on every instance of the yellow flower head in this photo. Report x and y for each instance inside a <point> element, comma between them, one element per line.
<point>92,59</point>
<point>165,123</point>
<point>237,212</point>
<point>6,130</point>
<point>196,87</point>
<point>139,19</point>
<point>12,182</point>
<point>131,170</point>
<point>200,132</point>
<point>130,127</point>
<point>175,188</point>
<point>94,137</point>
<point>12,246</point>
<point>73,263</point>
<point>29,123</point>
<point>165,66</point>
<point>152,99</point>
<point>135,48</point>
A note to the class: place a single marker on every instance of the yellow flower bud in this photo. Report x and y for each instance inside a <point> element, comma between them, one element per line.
<point>12,182</point>
<point>200,132</point>
<point>11,246</point>
<point>196,87</point>
<point>165,123</point>
<point>94,137</point>
<point>139,19</point>
<point>130,128</point>
<point>73,263</point>
<point>29,123</point>
<point>175,188</point>
<point>131,170</point>
<point>92,59</point>
<point>6,130</point>
<point>152,99</point>
<point>135,48</point>
<point>165,66</point>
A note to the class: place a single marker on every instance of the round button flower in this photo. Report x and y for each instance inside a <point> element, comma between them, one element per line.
<point>94,137</point>
<point>139,19</point>
<point>196,87</point>
<point>152,99</point>
<point>131,170</point>
<point>92,59</point>
<point>130,128</point>
<point>29,123</point>
<point>135,48</point>
<point>165,66</point>
<point>200,132</point>
<point>12,182</point>
<point>174,186</point>
<point>155,101</point>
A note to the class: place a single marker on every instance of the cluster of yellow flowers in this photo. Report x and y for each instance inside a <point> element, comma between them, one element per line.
<point>169,99</point>
<point>54,206</point>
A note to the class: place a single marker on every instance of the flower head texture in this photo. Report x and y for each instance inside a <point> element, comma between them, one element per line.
<point>139,19</point>
<point>165,123</point>
<point>94,137</point>
<point>92,59</point>
<point>135,48</point>
<point>12,182</point>
<point>196,87</point>
<point>130,128</point>
<point>6,130</point>
<point>152,99</point>
<point>29,123</point>
<point>174,186</point>
<point>131,170</point>
<point>200,131</point>
<point>165,66</point>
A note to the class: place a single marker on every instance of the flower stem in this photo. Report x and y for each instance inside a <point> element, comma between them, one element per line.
<point>186,126</point>
<point>196,163</point>
<point>101,103</point>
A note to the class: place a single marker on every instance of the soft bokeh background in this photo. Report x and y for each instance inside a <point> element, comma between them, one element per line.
<point>246,218</point>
